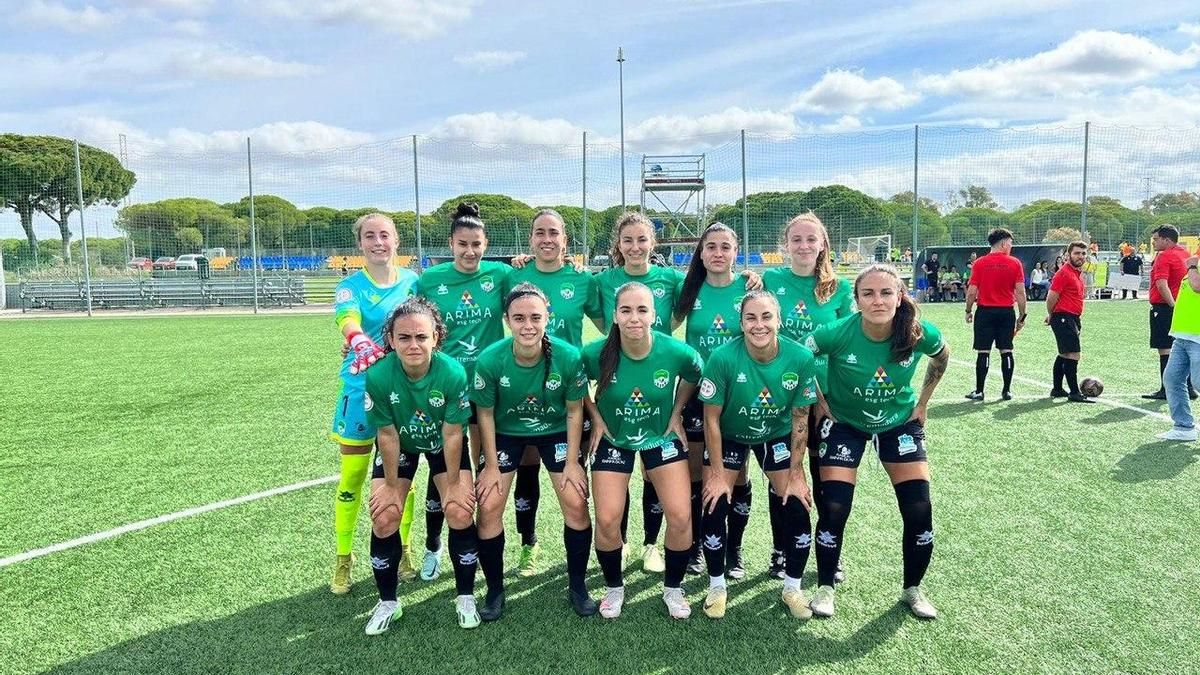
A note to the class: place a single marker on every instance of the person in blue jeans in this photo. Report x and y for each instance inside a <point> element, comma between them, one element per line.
<point>1185,356</point>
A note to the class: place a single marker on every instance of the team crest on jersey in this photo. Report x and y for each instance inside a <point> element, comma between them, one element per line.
<point>368,404</point>
<point>486,284</point>
<point>479,383</point>
<point>718,326</point>
<point>567,291</point>
<point>660,292</point>
<point>790,380</point>
<point>708,388</point>
<point>661,378</point>
<point>553,382</point>
<point>880,380</point>
<point>436,398</point>
<point>636,399</point>
<point>343,295</point>
<point>467,301</point>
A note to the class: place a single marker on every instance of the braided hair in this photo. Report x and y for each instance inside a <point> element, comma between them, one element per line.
<point>411,306</point>
<point>526,289</point>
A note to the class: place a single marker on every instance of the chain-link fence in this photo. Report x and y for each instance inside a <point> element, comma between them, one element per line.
<point>166,212</point>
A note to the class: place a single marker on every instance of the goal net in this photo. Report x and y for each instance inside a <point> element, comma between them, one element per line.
<point>868,249</point>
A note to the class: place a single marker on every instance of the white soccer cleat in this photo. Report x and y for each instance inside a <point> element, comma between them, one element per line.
<point>614,600</point>
<point>468,612</point>
<point>714,604</point>
<point>920,605</point>
<point>652,560</point>
<point>822,601</point>
<point>797,603</point>
<point>1177,435</point>
<point>677,604</point>
<point>381,616</point>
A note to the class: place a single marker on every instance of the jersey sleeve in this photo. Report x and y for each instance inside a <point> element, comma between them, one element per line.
<point>845,299</point>
<point>806,393</point>
<point>458,400</point>
<point>483,389</point>
<point>931,342</point>
<point>1163,271</point>
<point>591,307</point>
<point>345,305</point>
<point>375,400</point>
<point>691,363</point>
<point>1018,271</point>
<point>714,381</point>
<point>577,382</point>
<point>1057,284</point>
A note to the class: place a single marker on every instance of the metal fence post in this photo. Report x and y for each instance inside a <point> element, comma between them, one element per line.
<point>745,208</point>
<point>1083,204</point>
<point>916,212</point>
<point>253,230</point>
<point>586,248</point>
<point>87,271</point>
<point>417,206</point>
<point>3,283</point>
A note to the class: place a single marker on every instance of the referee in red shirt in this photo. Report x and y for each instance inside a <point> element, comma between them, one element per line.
<point>1166,273</point>
<point>1064,306</point>
<point>997,281</point>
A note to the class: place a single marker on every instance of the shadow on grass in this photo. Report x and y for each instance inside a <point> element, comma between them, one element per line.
<point>317,632</point>
<point>1113,415</point>
<point>1161,460</point>
<point>1011,411</point>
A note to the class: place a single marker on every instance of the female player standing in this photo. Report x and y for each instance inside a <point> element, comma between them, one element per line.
<point>756,391</point>
<point>528,391</point>
<point>873,357</point>
<point>362,303</point>
<point>810,295</point>
<point>469,293</point>
<point>636,412</point>
<point>417,399</point>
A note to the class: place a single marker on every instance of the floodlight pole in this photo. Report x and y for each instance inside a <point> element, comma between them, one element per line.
<point>87,272</point>
<point>1083,203</point>
<point>417,206</point>
<point>745,209</point>
<point>916,212</point>
<point>621,97</point>
<point>253,231</point>
<point>587,258</point>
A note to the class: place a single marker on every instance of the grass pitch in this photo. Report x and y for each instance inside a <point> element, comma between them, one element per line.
<point>1066,535</point>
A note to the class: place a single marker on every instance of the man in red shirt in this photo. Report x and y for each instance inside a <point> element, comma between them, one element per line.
<point>1064,306</point>
<point>1166,273</point>
<point>997,281</point>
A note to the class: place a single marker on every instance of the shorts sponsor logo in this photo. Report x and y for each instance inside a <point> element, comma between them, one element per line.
<point>502,459</point>
<point>661,378</point>
<point>669,451</point>
<point>560,452</point>
<point>614,457</point>
<point>403,459</point>
<point>707,388</point>
<point>553,382</point>
<point>790,380</point>
<point>780,451</point>
<point>368,404</point>
<point>826,427</point>
<point>843,452</point>
<point>437,399</point>
<point>822,449</point>
<point>343,295</point>
<point>378,459</point>
<point>906,444</point>
<point>826,539</point>
<point>925,538</point>
<point>479,383</point>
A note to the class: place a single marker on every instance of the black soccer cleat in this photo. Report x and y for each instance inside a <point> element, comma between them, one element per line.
<point>1159,395</point>
<point>493,607</point>
<point>778,560</point>
<point>1079,398</point>
<point>1006,395</point>
<point>696,564</point>
<point>1059,393</point>
<point>582,603</point>
<point>974,396</point>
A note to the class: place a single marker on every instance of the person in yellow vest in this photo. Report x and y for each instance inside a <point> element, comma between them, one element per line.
<point>1185,356</point>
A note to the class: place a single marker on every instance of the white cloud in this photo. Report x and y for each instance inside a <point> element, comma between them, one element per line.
<point>209,63</point>
<point>186,7</point>
<point>42,14</point>
<point>844,91</point>
<point>413,19</point>
<point>508,127</point>
<point>1087,60</point>
<point>1192,29</point>
<point>844,123</point>
<point>1145,106</point>
<point>485,61</point>
<point>190,27</point>
<point>727,122</point>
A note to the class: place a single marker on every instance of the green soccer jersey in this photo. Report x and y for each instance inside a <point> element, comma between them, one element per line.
<point>867,390</point>
<point>716,316</point>
<point>571,294</point>
<point>527,401</point>
<point>664,283</point>
<point>756,399</point>
<point>471,306</point>
<point>636,406</point>
<point>801,313</point>
<point>417,408</point>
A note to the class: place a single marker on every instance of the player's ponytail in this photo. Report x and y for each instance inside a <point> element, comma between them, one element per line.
<point>610,358</point>
<point>697,272</point>
<point>416,305</point>
<point>906,324</point>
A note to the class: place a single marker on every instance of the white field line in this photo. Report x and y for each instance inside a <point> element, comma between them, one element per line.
<point>151,522</point>
<point>1109,401</point>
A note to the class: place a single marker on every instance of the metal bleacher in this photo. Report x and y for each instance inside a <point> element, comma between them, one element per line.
<point>161,293</point>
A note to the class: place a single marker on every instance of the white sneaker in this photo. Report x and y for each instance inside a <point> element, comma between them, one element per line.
<point>918,603</point>
<point>677,604</point>
<point>381,616</point>
<point>822,601</point>
<point>797,603</point>
<point>652,560</point>
<point>1177,435</point>
<point>614,599</point>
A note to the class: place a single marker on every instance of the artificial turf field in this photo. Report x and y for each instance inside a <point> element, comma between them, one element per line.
<point>1068,539</point>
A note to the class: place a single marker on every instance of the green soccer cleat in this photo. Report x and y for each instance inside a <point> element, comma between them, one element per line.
<point>527,566</point>
<point>431,565</point>
<point>406,571</point>
<point>468,613</point>
<point>340,584</point>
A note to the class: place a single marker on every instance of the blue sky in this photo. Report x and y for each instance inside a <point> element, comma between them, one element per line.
<point>198,76</point>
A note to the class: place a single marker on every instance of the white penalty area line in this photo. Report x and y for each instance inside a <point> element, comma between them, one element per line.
<point>1099,399</point>
<point>151,522</point>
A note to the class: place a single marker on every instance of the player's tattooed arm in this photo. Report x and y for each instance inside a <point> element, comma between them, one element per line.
<point>933,374</point>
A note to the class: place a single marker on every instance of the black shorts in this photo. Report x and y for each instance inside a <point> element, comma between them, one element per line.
<point>843,445</point>
<point>408,462</point>
<point>609,457</point>
<point>474,418</point>
<point>1160,326</point>
<point>994,325</point>
<point>774,455</point>
<point>693,418</point>
<point>1066,329</point>
<point>551,447</point>
<point>813,440</point>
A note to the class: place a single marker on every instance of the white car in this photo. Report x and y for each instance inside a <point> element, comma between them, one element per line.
<point>187,261</point>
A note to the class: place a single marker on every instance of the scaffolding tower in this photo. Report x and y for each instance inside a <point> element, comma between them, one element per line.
<point>676,183</point>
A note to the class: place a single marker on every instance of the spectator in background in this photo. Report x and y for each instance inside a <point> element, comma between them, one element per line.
<point>1089,273</point>
<point>970,262</point>
<point>955,282</point>
<point>931,277</point>
<point>1166,275</point>
<point>1039,281</point>
<point>1058,263</point>
<point>1131,263</point>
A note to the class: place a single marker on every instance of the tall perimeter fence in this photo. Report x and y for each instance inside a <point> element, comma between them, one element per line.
<point>255,209</point>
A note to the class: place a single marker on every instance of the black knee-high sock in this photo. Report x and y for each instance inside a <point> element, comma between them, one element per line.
<point>982,361</point>
<point>715,538</point>
<point>1071,372</point>
<point>625,519</point>
<point>778,529</point>
<point>434,517</point>
<point>526,495</point>
<point>1058,372</point>
<point>491,561</point>
<point>385,557</point>
<point>838,497</point>
<point>1162,368</point>
<point>578,543</point>
<point>1007,366</point>
<point>799,536</point>
<point>912,496</point>
<point>739,517</point>
<point>814,477</point>
<point>676,565</point>
<point>610,565</point>
<point>697,526</point>
<point>652,513</point>
<point>464,554</point>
